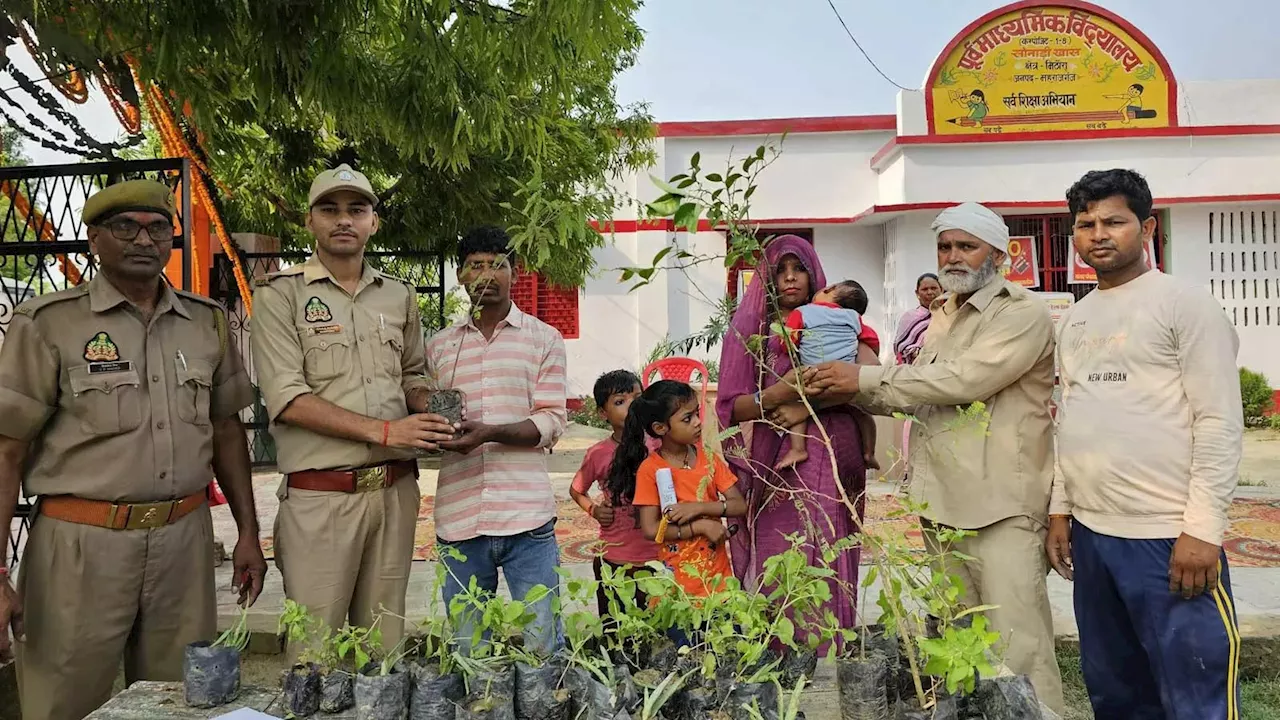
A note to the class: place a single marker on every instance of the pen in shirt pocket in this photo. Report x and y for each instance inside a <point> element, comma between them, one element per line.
<point>182,359</point>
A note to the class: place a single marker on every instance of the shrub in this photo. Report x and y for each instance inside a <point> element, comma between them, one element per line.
<point>1255,395</point>
<point>588,414</point>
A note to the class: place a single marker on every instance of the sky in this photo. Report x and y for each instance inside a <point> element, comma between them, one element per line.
<point>739,59</point>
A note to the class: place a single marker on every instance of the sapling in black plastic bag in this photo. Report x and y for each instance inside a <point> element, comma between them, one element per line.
<point>211,671</point>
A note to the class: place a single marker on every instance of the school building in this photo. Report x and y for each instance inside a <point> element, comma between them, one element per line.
<point>1017,107</point>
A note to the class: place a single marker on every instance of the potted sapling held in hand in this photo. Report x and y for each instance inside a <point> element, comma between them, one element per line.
<point>211,671</point>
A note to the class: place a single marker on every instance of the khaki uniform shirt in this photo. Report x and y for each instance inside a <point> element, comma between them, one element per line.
<point>361,352</point>
<point>996,348</point>
<point>116,408</point>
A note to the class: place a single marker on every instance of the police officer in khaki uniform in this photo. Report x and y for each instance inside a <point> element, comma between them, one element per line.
<point>339,354</point>
<point>118,404</point>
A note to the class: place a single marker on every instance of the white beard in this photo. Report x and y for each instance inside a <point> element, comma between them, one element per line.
<point>971,281</point>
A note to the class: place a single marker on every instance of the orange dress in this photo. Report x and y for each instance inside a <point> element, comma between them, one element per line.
<point>694,562</point>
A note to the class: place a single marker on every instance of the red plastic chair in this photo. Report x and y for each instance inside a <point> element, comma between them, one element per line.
<point>216,497</point>
<point>681,369</point>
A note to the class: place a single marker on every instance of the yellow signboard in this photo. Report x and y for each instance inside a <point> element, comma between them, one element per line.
<point>1064,65</point>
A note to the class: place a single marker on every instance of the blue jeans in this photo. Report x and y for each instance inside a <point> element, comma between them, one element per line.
<point>527,559</point>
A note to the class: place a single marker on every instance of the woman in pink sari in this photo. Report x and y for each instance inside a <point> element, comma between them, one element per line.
<point>804,499</point>
<point>914,322</point>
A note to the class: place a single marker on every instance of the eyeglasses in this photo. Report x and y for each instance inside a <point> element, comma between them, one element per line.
<point>478,266</point>
<point>127,230</point>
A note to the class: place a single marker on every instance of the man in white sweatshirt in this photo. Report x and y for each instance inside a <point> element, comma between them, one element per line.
<point>1149,440</point>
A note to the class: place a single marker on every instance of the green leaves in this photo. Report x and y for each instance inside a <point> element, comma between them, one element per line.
<point>960,655</point>
<point>686,217</point>
<point>440,104</point>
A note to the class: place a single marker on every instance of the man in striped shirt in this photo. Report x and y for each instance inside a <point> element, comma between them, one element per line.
<point>494,502</point>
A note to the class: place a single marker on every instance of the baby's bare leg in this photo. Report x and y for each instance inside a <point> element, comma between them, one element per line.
<point>798,453</point>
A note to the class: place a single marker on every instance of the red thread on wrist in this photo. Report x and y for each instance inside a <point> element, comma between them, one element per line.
<point>386,432</point>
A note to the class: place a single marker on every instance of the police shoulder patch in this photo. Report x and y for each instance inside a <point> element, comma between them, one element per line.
<point>199,298</point>
<point>36,304</point>
<point>273,276</point>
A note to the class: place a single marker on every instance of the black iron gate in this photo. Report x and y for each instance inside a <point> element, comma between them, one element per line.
<point>44,247</point>
<point>421,268</point>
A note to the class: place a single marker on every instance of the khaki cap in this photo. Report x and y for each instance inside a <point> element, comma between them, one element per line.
<point>341,178</point>
<point>131,195</point>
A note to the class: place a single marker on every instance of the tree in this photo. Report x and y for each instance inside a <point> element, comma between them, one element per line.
<point>11,154</point>
<point>11,151</point>
<point>461,112</point>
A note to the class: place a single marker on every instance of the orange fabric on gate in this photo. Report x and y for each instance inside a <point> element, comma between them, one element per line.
<point>691,486</point>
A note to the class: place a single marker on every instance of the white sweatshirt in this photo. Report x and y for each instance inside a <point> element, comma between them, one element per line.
<point>1150,427</point>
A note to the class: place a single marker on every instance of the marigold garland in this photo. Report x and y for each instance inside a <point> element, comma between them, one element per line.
<point>70,82</point>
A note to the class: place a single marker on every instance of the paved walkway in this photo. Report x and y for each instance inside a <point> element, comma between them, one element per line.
<point>1257,590</point>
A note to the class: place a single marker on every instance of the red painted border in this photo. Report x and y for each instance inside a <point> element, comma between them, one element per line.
<point>1160,202</point>
<point>777,126</point>
<point>665,225</point>
<point>1120,22</point>
<point>891,147</point>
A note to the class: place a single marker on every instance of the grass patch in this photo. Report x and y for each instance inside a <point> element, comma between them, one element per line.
<point>1259,698</point>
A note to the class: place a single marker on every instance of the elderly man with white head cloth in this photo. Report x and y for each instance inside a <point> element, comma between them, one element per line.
<point>989,342</point>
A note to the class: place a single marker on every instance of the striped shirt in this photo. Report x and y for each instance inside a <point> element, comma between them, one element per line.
<point>517,375</point>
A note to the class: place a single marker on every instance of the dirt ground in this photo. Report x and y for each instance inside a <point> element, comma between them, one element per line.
<point>1260,466</point>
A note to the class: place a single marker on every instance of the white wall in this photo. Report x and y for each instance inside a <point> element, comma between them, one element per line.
<point>817,175</point>
<point>604,309</point>
<point>914,253</point>
<point>1229,102</point>
<point>828,175</point>
<point>855,253</point>
<point>1175,167</point>
<point>1234,252</point>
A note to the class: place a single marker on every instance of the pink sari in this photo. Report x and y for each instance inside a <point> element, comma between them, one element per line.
<point>804,499</point>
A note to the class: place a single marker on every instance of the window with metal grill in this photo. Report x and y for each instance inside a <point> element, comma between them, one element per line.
<point>1052,235</point>
<point>554,305</point>
<point>1244,265</point>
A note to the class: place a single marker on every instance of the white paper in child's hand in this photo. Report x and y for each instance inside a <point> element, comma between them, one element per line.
<point>666,488</point>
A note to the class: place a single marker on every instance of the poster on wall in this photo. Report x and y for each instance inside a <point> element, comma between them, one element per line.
<point>1023,268</point>
<point>1079,272</point>
<point>1053,66</point>
<point>1059,303</point>
<point>744,281</point>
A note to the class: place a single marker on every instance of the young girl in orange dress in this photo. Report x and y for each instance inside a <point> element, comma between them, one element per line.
<point>690,532</point>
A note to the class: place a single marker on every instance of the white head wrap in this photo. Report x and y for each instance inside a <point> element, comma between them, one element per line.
<point>976,220</point>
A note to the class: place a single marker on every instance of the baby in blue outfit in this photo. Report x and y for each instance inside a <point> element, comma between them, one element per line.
<point>828,330</point>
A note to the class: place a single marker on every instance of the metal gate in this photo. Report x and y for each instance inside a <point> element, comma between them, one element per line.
<point>421,268</point>
<point>44,247</point>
